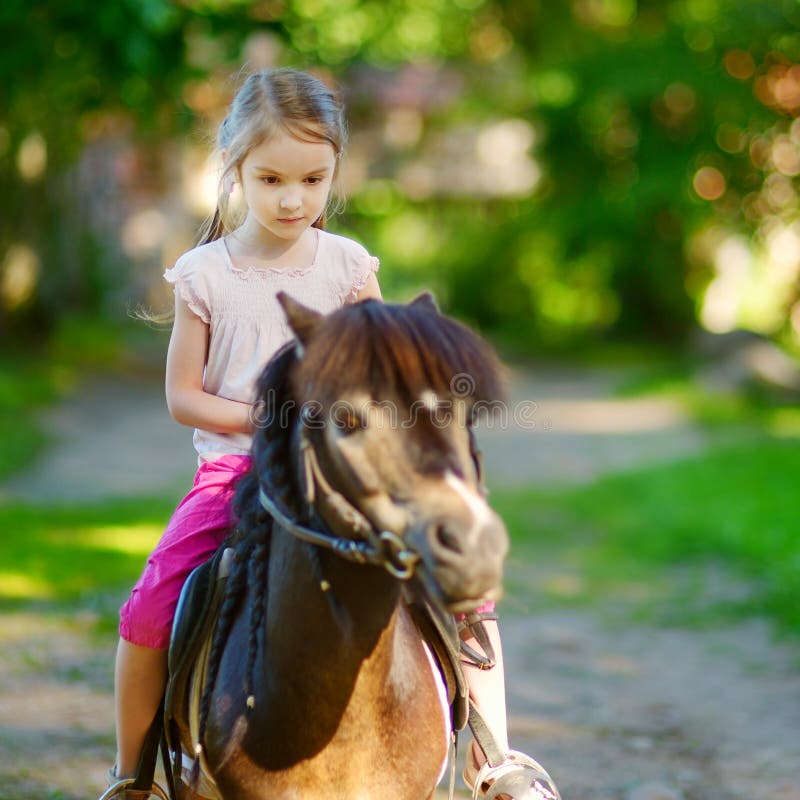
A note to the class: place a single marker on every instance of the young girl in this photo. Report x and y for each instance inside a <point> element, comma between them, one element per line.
<point>281,144</point>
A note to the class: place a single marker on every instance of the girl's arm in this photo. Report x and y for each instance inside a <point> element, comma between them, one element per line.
<point>188,403</point>
<point>371,290</point>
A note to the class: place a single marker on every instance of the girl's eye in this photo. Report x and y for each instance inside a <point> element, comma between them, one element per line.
<point>271,179</point>
<point>314,179</point>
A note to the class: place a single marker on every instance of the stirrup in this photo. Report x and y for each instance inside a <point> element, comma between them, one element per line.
<point>121,786</point>
<point>519,777</point>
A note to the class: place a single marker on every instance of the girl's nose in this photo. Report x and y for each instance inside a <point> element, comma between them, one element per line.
<point>290,200</point>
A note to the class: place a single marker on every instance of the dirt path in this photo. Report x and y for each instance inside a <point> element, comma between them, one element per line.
<point>613,709</point>
<point>115,437</point>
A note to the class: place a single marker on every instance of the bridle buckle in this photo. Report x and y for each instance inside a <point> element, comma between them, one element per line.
<point>399,559</point>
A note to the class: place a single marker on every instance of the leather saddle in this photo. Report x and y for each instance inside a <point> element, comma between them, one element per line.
<point>190,644</point>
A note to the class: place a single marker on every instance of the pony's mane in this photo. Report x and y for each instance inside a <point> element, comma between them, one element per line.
<point>395,351</point>
<point>275,415</point>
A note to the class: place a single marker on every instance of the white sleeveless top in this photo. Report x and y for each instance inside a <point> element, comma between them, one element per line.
<point>247,324</point>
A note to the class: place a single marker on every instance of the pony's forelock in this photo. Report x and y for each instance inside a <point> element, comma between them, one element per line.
<point>393,351</point>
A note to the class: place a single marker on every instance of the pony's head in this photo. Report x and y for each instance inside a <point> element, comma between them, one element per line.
<point>386,397</point>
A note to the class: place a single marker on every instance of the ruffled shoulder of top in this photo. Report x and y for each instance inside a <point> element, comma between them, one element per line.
<point>349,263</point>
<point>194,276</point>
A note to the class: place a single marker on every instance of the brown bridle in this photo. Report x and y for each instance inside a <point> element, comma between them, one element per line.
<point>378,548</point>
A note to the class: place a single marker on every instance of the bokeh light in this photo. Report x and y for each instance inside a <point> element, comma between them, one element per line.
<point>709,183</point>
<point>144,232</point>
<point>740,64</point>
<point>32,157</point>
<point>19,275</point>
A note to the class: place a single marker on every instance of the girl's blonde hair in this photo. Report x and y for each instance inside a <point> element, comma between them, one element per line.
<point>268,101</point>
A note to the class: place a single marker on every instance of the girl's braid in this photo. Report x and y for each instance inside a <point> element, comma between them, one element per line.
<point>259,562</point>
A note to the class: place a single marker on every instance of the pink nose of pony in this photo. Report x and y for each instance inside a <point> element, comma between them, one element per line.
<point>465,558</point>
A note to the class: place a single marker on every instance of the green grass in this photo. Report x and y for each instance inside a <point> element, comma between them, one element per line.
<point>658,376</point>
<point>735,507</point>
<point>653,539</point>
<point>84,556</point>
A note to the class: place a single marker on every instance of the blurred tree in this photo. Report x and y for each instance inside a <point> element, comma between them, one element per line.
<point>651,114</point>
<point>662,133</point>
<point>556,171</point>
<point>70,73</point>
<point>75,74</point>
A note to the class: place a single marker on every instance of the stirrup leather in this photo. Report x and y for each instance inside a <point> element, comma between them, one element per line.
<point>519,777</point>
<point>474,623</point>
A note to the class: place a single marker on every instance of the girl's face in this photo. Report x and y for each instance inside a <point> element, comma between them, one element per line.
<point>286,183</point>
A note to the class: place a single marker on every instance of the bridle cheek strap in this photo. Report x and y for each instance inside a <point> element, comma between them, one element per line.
<point>344,511</point>
<point>377,548</point>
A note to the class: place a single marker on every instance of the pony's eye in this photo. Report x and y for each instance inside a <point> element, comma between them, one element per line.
<point>354,423</point>
<point>347,420</point>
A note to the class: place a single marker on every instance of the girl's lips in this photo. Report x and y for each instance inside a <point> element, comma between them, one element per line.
<point>289,220</point>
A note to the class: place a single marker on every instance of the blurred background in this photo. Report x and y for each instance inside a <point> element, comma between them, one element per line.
<point>559,173</point>
<point>609,190</point>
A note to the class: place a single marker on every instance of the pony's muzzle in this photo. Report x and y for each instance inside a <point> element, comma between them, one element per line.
<point>464,558</point>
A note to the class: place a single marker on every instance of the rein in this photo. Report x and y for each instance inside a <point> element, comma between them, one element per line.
<point>377,548</point>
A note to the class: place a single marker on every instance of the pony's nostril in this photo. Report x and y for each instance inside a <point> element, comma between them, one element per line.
<point>447,538</point>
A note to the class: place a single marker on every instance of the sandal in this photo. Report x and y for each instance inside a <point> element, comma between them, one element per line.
<point>519,777</point>
<point>119,788</point>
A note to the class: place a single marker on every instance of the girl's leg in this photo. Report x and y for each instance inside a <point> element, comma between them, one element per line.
<point>487,688</point>
<point>196,529</point>
<point>140,677</point>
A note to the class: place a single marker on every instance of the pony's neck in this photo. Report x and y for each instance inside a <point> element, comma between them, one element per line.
<point>345,608</point>
<point>329,636</point>
<point>327,649</point>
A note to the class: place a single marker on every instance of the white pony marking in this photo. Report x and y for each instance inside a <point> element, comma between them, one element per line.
<point>429,400</point>
<point>475,502</point>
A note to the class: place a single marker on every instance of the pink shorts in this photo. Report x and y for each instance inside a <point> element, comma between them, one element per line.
<point>197,528</point>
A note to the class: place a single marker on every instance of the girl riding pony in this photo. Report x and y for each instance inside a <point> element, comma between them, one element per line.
<point>281,145</point>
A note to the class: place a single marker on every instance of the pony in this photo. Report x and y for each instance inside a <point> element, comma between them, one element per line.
<point>364,493</point>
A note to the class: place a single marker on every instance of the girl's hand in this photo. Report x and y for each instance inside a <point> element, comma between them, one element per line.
<point>187,401</point>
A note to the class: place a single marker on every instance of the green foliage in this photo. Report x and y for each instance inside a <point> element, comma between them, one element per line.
<point>337,33</point>
<point>627,105</point>
<point>735,506</point>
<point>618,109</point>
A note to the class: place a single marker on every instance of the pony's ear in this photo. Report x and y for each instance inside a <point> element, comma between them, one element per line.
<point>426,301</point>
<point>302,320</point>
